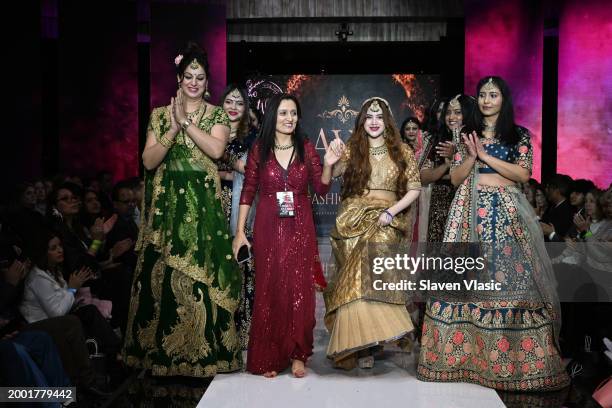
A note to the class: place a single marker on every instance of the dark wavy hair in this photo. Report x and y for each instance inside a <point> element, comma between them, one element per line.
<point>358,169</point>
<point>469,107</point>
<point>444,134</point>
<point>403,133</point>
<point>505,126</point>
<point>431,124</point>
<point>561,182</point>
<point>243,126</point>
<point>192,51</point>
<point>268,128</point>
<point>38,250</point>
<point>582,186</point>
<point>409,119</point>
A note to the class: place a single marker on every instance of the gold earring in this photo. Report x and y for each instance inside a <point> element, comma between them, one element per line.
<point>206,94</point>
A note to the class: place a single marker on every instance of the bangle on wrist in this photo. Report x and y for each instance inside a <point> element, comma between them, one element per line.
<point>388,213</point>
<point>163,140</point>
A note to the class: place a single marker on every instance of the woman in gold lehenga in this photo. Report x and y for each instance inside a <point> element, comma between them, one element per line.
<point>381,181</point>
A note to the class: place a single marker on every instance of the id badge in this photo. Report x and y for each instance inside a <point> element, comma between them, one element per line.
<point>286,205</point>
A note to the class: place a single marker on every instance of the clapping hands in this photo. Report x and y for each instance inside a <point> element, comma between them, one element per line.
<point>474,146</point>
<point>77,278</point>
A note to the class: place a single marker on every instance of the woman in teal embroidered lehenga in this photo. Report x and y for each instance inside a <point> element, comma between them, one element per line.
<point>187,285</point>
<point>505,339</point>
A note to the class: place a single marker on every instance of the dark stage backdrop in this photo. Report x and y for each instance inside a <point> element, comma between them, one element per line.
<point>330,105</point>
<point>172,25</point>
<point>584,131</point>
<point>510,45</point>
<point>98,88</point>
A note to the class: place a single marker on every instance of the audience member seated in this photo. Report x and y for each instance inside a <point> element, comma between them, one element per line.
<point>529,189</point>
<point>105,181</point>
<point>578,192</point>
<point>125,230</point>
<point>92,209</point>
<point>30,359</point>
<point>40,193</point>
<point>541,203</point>
<point>137,186</point>
<point>27,359</point>
<point>121,239</point>
<point>80,246</point>
<point>21,217</point>
<point>66,331</point>
<point>557,219</point>
<point>47,294</point>
<point>586,271</point>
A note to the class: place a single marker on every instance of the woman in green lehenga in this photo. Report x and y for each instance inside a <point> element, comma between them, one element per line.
<point>187,285</point>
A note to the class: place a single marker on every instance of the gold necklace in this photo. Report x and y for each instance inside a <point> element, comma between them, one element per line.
<point>196,112</point>
<point>378,150</point>
<point>283,147</point>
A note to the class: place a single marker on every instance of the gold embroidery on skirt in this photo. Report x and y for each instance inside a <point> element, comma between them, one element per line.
<point>226,201</point>
<point>214,311</point>
<point>186,340</point>
<point>183,368</point>
<point>220,297</point>
<point>146,335</point>
<point>229,337</point>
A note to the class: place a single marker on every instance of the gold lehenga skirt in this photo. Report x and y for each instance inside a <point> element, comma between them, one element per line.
<point>357,316</point>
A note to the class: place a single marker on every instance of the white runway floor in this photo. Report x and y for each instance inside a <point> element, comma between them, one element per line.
<point>392,383</point>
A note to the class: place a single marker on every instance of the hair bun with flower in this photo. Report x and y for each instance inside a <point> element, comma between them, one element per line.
<point>178,59</point>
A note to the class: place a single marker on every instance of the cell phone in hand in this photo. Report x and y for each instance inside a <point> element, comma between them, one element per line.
<point>244,254</point>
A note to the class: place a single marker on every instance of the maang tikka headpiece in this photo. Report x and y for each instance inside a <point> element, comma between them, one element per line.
<point>489,85</point>
<point>375,106</point>
<point>194,64</point>
<point>454,103</point>
<point>235,94</point>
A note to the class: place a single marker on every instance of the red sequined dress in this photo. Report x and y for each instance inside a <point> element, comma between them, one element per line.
<point>286,258</point>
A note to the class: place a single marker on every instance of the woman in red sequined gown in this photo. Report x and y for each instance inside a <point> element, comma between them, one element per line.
<point>285,247</point>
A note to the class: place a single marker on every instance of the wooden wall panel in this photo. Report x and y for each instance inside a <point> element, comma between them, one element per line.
<point>321,31</point>
<point>239,9</point>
